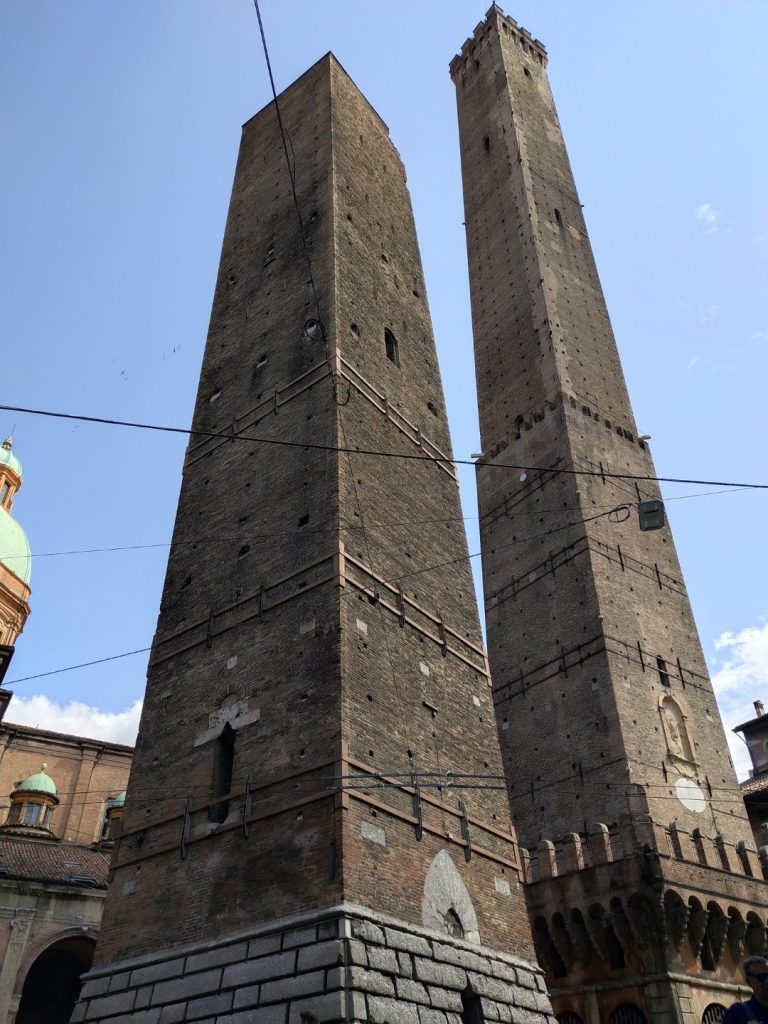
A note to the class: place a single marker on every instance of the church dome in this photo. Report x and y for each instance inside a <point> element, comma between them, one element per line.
<point>7,458</point>
<point>40,782</point>
<point>14,546</point>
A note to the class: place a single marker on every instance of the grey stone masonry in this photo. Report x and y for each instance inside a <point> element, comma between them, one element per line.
<point>341,965</point>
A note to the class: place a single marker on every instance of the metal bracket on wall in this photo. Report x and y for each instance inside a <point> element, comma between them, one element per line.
<point>417,808</point>
<point>185,822</point>
<point>443,638</point>
<point>465,830</point>
<point>246,808</point>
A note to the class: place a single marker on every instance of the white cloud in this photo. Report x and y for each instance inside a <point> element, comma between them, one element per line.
<point>740,678</point>
<point>709,216</point>
<point>76,718</point>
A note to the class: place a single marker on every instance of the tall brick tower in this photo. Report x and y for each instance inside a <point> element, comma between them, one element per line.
<point>292,840</point>
<point>644,883</point>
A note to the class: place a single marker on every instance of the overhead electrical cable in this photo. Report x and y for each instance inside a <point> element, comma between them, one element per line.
<point>395,579</point>
<point>310,445</point>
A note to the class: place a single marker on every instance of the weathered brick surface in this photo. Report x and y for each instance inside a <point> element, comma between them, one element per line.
<point>321,664</point>
<point>576,618</point>
<point>599,677</point>
<point>318,660</point>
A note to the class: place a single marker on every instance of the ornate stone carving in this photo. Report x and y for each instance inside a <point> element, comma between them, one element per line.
<point>755,937</point>
<point>649,928</point>
<point>676,914</point>
<point>579,937</point>
<point>697,926</point>
<point>737,929</point>
<point>718,931</point>
<point>561,940</point>
<point>621,927</point>
<point>596,929</point>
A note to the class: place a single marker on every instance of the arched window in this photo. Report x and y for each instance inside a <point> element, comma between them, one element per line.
<point>223,764</point>
<point>713,1014</point>
<point>453,924</point>
<point>391,346</point>
<point>569,1017</point>
<point>627,1013</point>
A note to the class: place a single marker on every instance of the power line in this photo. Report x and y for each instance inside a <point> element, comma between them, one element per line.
<point>394,579</point>
<point>83,664</point>
<point>350,527</point>
<point>313,446</point>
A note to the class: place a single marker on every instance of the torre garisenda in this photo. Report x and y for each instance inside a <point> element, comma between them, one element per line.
<point>341,808</point>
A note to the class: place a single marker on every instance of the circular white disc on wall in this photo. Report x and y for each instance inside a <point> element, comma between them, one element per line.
<point>690,795</point>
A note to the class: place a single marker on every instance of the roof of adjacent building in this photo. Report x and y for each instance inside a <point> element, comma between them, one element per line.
<point>755,785</point>
<point>62,863</point>
<point>64,737</point>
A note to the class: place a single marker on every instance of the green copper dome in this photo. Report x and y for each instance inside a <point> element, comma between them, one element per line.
<point>117,801</point>
<point>7,458</point>
<point>14,546</point>
<point>38,783</point>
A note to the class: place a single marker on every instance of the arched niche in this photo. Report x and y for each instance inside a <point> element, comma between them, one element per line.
<point>446,905</point>
<point>673,720</point>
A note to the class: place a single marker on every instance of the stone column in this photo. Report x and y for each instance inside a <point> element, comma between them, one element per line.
<point>18,925</point>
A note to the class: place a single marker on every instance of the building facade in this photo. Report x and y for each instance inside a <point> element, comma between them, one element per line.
<point>293,843</point>
<point>755,788</point>
<point>645,888</point>
<point>59,797</point>
<point>16,560</point>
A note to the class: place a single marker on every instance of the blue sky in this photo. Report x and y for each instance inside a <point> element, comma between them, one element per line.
<point>121,124</point>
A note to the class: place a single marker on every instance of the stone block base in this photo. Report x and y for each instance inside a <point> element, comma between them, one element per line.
<point>342,964</point>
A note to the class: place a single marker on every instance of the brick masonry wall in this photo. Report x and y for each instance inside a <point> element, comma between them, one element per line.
<point>578,611</point>
<point>346,964</point>
<point>281,616</point>
<point>86,774</point>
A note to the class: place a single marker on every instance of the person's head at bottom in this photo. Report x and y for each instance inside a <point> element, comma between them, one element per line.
<point>756,976</point>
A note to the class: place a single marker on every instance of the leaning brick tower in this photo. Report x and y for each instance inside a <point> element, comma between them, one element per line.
<point>645,888</point>
<point>292,840</point>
